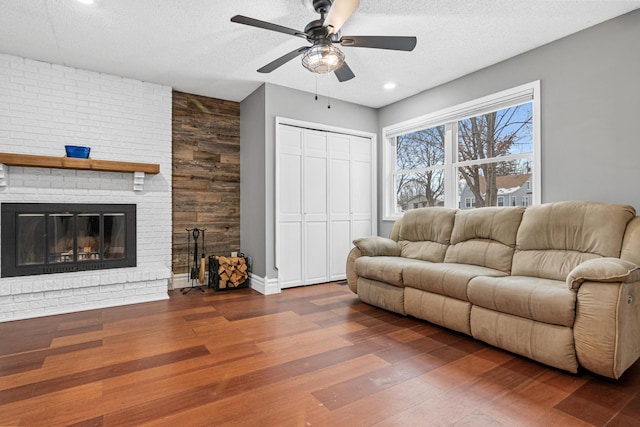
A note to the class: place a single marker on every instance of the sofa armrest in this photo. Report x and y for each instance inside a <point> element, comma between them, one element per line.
<point>377,246</point>
<point>368,246</point>
<point>603,270</point>
<point>607,326</point>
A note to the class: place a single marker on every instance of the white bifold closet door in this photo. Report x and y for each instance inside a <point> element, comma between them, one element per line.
<point>325,200</point>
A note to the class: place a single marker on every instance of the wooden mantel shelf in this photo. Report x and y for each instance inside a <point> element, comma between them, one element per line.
<point>31,160</point>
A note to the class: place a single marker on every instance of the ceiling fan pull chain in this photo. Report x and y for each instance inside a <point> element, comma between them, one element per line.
<point>316,87</point>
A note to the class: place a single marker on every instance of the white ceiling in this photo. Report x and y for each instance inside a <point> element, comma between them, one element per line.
<point>192,46</point>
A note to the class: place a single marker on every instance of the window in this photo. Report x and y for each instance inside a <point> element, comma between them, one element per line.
<point>514,201</point>
<point>466,156</point>
<point>469,202</point>
<point>525,201</point>
<point>419,167</point>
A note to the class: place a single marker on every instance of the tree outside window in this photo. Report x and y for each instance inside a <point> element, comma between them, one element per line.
<point>483,139</point>
<point>419,166</point>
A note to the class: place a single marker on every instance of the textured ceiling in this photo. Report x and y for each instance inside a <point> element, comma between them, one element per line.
<point>192,46</point>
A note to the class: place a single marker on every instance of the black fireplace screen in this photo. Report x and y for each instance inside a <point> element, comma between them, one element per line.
<point>41,238</point>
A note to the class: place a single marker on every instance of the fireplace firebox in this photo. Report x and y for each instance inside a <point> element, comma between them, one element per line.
<point>44,238</point>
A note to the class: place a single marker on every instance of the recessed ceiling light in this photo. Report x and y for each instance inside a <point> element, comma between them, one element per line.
<point>86,1</point>
<point>390,85</point>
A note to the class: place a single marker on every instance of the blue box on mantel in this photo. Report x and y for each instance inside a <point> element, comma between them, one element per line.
<point>77,151</point>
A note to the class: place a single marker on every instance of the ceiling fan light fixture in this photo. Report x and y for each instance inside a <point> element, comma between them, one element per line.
<point>323,57</point>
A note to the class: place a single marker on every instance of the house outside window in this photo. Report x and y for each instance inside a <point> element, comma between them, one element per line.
<point>476,154</point>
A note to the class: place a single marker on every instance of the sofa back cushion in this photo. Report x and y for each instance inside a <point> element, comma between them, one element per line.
<point>394,234</point>
<point>554,238</point>
<point>485,237</point>
<point>425,233</point>
<point>631,242</point>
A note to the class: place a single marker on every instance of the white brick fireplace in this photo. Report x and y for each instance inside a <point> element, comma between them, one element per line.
<point>44,107</point>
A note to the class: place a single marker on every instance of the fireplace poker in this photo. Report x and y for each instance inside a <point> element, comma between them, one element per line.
<point>194,268</point>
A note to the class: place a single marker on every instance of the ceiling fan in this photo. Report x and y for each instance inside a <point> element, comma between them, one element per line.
<point>322,56</point>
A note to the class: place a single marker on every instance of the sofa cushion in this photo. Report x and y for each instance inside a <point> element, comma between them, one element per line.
<point>394,234</point>
<point>485,237</point>
<point>631,243</point>
<point>425,233</point>
<point>381,295</point>
<point>554,238</point>
<point>543,300</point>
<point>550,344</point>
<point>445,311</point>
<point>384,268</point>
<point>447,279</point>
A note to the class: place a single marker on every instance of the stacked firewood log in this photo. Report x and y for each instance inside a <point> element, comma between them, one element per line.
<point>232,272</point>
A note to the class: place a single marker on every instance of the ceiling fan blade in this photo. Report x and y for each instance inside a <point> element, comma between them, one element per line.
<point>380,42</point>
<point>267,25</point>
<point>344,73</point>
<point>282,60</point>
<point>338,14</point>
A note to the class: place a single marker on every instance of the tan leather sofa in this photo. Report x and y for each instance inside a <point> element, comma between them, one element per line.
<point>556,282</point>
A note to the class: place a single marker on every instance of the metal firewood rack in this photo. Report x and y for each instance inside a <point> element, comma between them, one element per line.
<point>214,277</point>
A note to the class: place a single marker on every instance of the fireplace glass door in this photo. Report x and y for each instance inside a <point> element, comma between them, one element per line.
<point>60,233</point>
<point>44,238</point>
<point>30,248</point>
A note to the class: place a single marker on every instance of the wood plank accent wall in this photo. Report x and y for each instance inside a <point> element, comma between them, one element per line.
<point>206,174</point>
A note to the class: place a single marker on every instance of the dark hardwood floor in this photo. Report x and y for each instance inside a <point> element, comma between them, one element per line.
<point>312,356</point>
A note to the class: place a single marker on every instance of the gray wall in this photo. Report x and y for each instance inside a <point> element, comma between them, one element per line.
<point>257,223</point>
<point>590,87</point>
<point>252,189</point>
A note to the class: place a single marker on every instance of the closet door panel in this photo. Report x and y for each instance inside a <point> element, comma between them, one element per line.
<point>339,195</point>
<point>290,265</point>
<point>315,253</point>
<point>361,189</point>
<point>361,199</point>
<point>316,216</point>
<point>289,214</point>
<point>290,187</point>
<point>315,190</point>
<point>361,228</point>
<point>339,204</point>
<point>340,247</point>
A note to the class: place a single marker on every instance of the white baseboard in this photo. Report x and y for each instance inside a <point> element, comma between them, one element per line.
<point>264,285</point>
<point>260,284</point>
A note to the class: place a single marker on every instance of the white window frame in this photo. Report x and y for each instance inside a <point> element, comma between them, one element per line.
<point>526,93</point>
<point>525,201</point>
<point>514,201</point>
<point>469,202</point>
<point>500,200</point>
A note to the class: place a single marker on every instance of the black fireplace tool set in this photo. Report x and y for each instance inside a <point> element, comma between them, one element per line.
<point>195,266</point>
